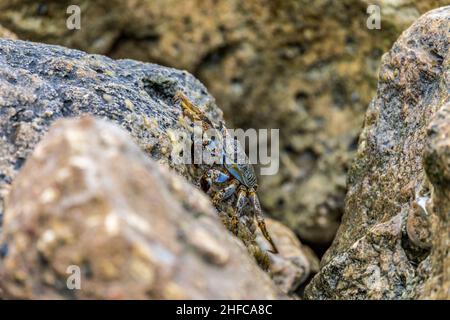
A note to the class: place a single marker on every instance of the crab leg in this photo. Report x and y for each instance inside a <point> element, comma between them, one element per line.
<point>240,204</point>
<point>259,218</point>
<point>192,111</point>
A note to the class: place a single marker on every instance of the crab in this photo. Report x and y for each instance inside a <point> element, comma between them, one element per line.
<point>237,177</point>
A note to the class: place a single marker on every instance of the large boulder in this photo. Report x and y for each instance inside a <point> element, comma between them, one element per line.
<point>306,67</point>
<point>88,200</point>
<point>393,242</point>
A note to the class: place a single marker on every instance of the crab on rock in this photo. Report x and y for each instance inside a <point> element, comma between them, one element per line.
<point>238,177</point>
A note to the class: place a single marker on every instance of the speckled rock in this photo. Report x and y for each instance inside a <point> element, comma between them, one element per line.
<point>41,83</point>
<point>89,197</point>
<point>393,242</point>
<point>307,67</point>
<point>437,227</point>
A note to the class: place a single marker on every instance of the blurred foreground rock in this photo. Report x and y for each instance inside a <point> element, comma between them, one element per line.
<point>306,67</point>
<point>88,197</point>
<point>394,239</point>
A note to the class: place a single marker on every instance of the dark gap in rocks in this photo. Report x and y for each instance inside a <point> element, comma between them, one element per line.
<point>339,93</point>
<point>415,254</point>
<point>299,46</point>
<point>6,179</point>
<point>66,108</point>
<point>318,248</point>
<point>42,9</point>
<point>301,289</point>
<point>3,246</point>
<point>353,145</point>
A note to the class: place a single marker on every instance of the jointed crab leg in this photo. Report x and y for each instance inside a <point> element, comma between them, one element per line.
<point>259,218</point>
<point>191,111</point>
<point>241,201</point>
<point>226,192</point>
<point>240,204</point>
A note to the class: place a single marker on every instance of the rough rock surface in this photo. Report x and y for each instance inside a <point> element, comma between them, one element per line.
<point>394,239</point>
<point>41,83</point>
<point>89,197</point>
<point>307,67</point>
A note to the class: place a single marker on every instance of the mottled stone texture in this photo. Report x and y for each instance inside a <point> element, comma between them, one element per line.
<point>89,197</point>
<point>393,242</point>
<point>436,161</point>
<point>307,67</point>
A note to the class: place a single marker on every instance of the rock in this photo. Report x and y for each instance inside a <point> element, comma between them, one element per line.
<point>393,241</point>
<point>294,264</point>
<point>437,235</point>
<point>306,67</point>
<point>89,198</point>
<point>41,83</point>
